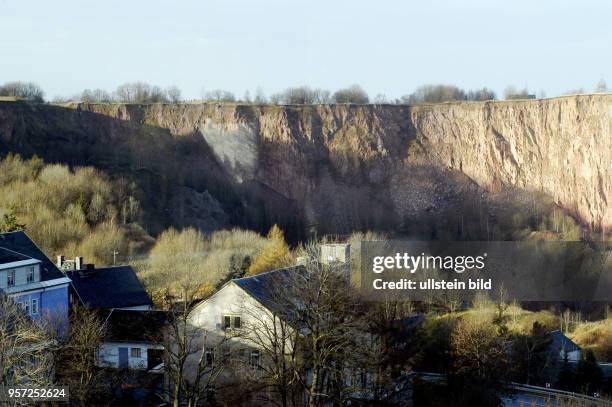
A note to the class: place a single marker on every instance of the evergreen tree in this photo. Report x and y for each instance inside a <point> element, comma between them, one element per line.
<point>589,376</point>
<point>566,378</point>
<point>275,254</point>
<point>10,223</point>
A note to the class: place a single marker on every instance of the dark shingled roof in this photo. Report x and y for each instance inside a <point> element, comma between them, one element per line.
<point>267,288</point>
<point>112,287</point>
<point>9,256</point>
<point>21,243</point>
<point>135,326</point>
<point>560,342</point>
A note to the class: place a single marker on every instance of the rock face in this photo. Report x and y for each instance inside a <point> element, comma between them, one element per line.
<point>336,168</point>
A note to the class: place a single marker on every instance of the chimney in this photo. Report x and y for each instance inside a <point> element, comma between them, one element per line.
<point>88,270</point>
<point>78,263</point>
<point>60,261</point>
<point>335,253</point>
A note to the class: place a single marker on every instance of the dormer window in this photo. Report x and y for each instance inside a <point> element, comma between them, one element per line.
<point>10,278</point>
<point>30,275</point>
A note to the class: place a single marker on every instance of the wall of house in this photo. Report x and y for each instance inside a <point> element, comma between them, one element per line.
<point>573,356</point>
<point>20,275</point>
<point>230,300</point>
<point>233,301</point>
<point>27,301</point>
<point>108,354</point>
<point>52,303</point>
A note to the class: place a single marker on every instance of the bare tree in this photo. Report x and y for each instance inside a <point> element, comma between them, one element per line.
<point>511,93</point>
<point>275,336</point>
<point>173,93</point>
<point>480,356</point>
<point>353,94</point>
<point>95,96</point>
<point>480,94</point>
<point>388,350</point>
<point>301,95</point>
<point>76,358</point>
<point>29,91</point>
<point>260,97</point>
<point>330,317</point>
<point>176,263</point>
<point>140,92</point>
<point>381,99</point>
<point>601,86</point>
<point>220,95</point>
<point>25,348</point>
<point>435,94</point>
<point>192,362</point>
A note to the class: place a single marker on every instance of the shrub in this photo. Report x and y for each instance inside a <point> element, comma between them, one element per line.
<point>70,212</point>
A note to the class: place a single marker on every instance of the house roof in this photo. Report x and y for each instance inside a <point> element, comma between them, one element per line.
<point>21,243</point>
<point>267,288</point>
<point>135,326</point>
<point>560,342</point>
<point>9,256</point>
<point>111,287</point>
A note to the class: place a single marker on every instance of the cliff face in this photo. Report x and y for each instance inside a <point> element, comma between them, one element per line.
<point>337,167</point>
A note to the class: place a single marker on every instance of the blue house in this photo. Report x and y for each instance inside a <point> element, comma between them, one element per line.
<point>32,280</point>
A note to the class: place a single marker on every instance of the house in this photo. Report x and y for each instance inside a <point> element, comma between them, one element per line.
<point>134,340</point>
<point>35,283</point>
<point>564,347</point>
<point>248,301</point>
<point>257,301</point>
<point>106,287</point>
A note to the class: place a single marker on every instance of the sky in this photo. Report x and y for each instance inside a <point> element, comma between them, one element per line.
<point>388,46</point>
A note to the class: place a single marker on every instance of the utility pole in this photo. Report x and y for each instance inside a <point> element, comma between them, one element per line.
<point>115,253</point>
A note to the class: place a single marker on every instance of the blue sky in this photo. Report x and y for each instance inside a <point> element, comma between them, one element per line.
<point>387,46</point>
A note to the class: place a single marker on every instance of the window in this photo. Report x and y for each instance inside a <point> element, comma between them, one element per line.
<point>135,352</point>
<point>230,321</point>
<point>27,306</point>
<point>34,306</point>
<point>30,275</point>
<point>10,278</point>
<point>363,379</point>
<point>254,358</point>
<point>209,356</point>
<point>226,352</point>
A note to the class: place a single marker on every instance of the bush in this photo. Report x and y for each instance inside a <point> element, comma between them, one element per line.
<point>354,94</point>
<point>189,263</point>
<point>70,212</point>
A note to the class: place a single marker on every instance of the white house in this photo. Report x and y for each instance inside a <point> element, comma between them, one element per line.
<point>134,340</point>
<point>245,307</point>
<point>241,307</point>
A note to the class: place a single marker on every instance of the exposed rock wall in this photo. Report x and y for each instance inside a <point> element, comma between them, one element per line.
<point>367,166</point>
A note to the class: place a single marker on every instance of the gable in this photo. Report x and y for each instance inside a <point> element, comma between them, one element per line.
<point>21,243</point>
